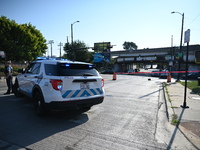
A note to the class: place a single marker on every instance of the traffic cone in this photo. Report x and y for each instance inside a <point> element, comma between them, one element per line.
<point>114,76</point>
<point>169,78</point>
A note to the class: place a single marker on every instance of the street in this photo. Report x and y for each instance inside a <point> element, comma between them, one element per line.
<point>127,119</point>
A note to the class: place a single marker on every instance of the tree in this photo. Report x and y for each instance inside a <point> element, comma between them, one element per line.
<point>20,41</point>
<point>79,52</point>
<point>130,46</point>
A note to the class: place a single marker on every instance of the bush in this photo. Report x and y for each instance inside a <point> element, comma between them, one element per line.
<point>15,70</point>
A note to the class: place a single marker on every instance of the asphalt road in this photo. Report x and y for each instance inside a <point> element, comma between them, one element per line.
<point>127,119</point>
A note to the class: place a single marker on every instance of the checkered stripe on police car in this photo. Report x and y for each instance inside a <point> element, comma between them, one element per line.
<point>82,93</point>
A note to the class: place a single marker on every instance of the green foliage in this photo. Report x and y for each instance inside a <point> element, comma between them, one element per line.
<point>20,41</point>
<point>174,120</point>
<point>79,52</point>
<point>130,46</point>
<point>193,85</point>
<point>15,70</point>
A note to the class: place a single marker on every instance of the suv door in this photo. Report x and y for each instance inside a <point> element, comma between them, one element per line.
<point>30,78</point>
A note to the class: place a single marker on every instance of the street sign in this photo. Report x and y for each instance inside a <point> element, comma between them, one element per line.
<point>187,36</point>
<point>170,63</point>
<point>2,54</point>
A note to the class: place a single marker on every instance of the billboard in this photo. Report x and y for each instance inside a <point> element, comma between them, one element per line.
<point>102,49</point>
<point>98,57</point>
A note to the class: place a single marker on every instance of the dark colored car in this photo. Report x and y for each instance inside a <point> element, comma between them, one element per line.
<point>107,72</point>
<point>191,76</point>
<point>155,73</point>
<point>164,74</point>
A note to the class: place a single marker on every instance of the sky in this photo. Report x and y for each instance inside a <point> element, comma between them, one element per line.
<point>147,23</point>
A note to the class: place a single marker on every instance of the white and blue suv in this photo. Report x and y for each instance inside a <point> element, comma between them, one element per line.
<point>60,85</point>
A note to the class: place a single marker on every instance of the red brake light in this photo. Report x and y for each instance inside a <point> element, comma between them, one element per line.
<point>102,82</point>
<point>56,84</point>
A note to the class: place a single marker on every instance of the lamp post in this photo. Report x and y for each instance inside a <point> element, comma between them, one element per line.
<point>179,65</point>
<point>51,42</point>
<point>72,38</point>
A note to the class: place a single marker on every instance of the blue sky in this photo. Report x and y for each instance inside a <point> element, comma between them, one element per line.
<point>148,23</point>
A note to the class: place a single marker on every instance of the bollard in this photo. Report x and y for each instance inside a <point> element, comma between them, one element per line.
<point>114,76</point>
<point>169,78</point>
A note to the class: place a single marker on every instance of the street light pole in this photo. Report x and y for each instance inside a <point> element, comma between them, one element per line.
<point>72,39</point>
<point>51,42</point>
<point>61,44</point>
<point>179,64</point>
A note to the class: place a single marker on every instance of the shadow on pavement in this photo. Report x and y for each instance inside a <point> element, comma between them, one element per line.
<point>175,132</point>
<point>20,126</point>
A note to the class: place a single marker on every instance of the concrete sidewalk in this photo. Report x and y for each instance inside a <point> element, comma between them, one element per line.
<point>189,118</point>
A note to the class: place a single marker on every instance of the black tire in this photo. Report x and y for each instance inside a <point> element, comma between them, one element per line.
<point>84,109</point>
<point>39,107</point>
<point>16,91</point>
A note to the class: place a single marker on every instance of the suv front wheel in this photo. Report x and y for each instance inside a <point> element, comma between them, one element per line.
<point>16,90</point>
<point>39,104</point>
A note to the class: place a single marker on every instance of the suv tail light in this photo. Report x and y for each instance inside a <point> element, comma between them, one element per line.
<point>102,82</point>
<point>56,84</point>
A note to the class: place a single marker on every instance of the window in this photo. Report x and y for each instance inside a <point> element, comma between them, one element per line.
<point>67,69</point>
<point>51,70</point>
<point>33,68</point>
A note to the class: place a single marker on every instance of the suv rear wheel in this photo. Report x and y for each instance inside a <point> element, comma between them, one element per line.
<point>39,104</point>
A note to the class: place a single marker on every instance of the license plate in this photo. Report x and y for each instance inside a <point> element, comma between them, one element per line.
<point>84,86</point>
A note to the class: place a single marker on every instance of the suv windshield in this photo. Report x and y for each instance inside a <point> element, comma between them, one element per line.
<point>67,69</point>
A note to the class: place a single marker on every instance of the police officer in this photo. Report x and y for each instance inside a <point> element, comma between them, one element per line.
<point>8,72</point>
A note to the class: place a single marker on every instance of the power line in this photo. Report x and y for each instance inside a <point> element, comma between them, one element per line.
<point>193,20</point>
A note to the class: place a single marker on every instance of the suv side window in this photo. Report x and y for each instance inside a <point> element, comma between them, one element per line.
<point>33,68</point>
<point>51,69</point>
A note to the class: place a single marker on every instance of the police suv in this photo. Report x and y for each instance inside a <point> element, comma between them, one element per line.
<point>60,85</point>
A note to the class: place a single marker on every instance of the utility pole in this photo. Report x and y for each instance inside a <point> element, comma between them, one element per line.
<point>73,54</point>
<point>60,44</point>
<point>51,42</point>
<point>186,40</point>
<point>180,52</point>
<point>67,40</point>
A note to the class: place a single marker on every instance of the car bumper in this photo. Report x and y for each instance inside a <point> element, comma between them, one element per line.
<point>75,104</point>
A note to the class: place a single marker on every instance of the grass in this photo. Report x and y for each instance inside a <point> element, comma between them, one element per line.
<point>193,85</point>
<point>174,120</point>
<point>167,92</point>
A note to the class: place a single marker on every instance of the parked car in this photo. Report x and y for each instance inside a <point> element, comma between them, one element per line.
<point>130,71</point>
<point>164,74</point>
<point>60,85</point>
<point>191,76</point>
<point>107,72</point>
<point>155,73</point>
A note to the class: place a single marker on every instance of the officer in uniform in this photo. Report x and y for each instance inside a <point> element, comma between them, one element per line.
<point>8,72</point>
